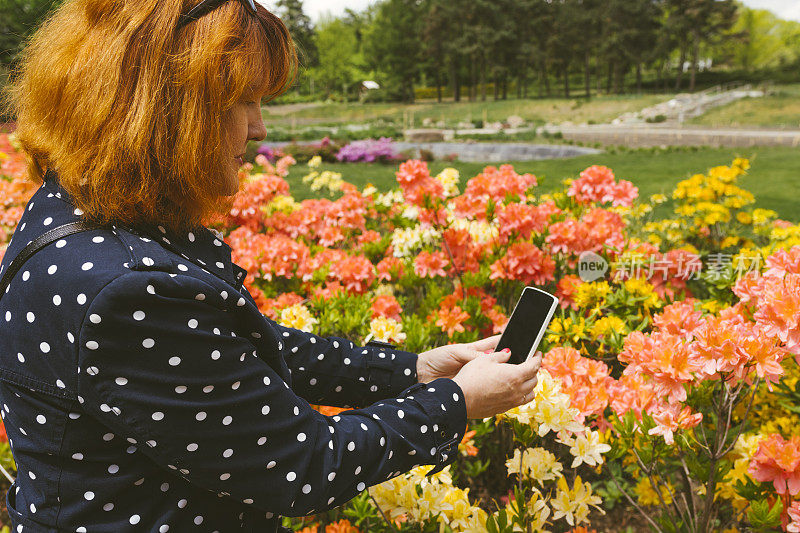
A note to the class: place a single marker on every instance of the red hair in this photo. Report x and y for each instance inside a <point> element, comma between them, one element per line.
<point>128,110</point>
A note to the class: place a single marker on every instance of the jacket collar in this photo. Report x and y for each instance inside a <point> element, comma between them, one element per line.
<point>203,246</point>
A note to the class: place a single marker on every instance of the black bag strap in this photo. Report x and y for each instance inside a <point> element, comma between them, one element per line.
<point>40,242</point>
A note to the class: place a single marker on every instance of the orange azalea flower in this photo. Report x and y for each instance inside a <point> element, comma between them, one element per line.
<point>467,445</point>
<point>342,526</point>
<point>332,288</point>
<point>390,269</point>
<point>330,236</point>
<point>522,220</point>
<point>524,262</point>
<point>428,264</point>
<point>273,306</point>
<point>465,253</point>
<point>597,184</point>
<point>565,291</point>
<point>356,273</point>
<point>386,305</point>
<point>584,379</point>
<point>778,461</point>
<point>679,318</point>
<point>369,236</point>
<point>497,183</point>
<point>670,417</point>
<point>451,319</point>
<point>416,182</point>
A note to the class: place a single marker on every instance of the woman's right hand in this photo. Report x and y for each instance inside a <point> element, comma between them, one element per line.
<point>491,386</point>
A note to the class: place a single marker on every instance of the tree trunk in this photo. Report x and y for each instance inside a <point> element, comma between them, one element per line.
<point>505,85</point>
<point>681,61</point>
<point>411,96</point>
<point>473,75</point>
<point>639,78</point>
<point>525,82</point>
<point>438,85</point>
<point>587,75</point>
<point>695,53</point>
<point>496,86</point>
<point>609,76</point>
<point>456,84</point>
<point>618,78</point>
<point>566,80</point>
<point>483,77</point>
<point>546,79</point>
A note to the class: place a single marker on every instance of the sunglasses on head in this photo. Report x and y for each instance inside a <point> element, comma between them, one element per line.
<point>208,5</point>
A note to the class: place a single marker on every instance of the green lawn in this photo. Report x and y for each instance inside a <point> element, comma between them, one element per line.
<point>599,109</point>
<point>774,177</point>
<point>780,109</point>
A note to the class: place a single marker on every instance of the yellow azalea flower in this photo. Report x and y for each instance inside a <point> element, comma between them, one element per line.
<point>315,161</point>
<point>643,288</point>
<point>712,306</point>
<point>606,325</point>
<point>283,203</point>
<point>297,316</point>
<point>763,216</point>
<point>537,465</point>
<point>573,503</point>
<point>419,476</point>
<point>386,330</point>
<point>3,156</point>
<point>449,178</point>
<point>729,241</point>
<point>537,511</point>
<point>585,448</point>
<point>744,217</point>
<point>592,294</point>
<point>369,190</point>
<point>646,494</point>
<point>657,199</point>
<point>742,163</point>
<point>389,198</point>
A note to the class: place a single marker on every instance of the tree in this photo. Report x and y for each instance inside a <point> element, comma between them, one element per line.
<point>299,25</point>
<point>393,46</point>
<point>338,55</point>
<point>698,22</point>
<point>759,39</point>
<point>18,20</point>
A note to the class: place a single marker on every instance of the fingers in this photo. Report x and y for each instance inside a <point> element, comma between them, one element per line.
<point>532,365</point>
<point>501,357</point>
<point>489,343</point>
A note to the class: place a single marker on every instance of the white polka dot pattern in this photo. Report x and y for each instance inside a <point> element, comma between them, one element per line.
<point>188,389</point>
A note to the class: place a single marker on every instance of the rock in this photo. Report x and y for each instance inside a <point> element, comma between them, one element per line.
<point>515,121</point>
<point>424,135</point>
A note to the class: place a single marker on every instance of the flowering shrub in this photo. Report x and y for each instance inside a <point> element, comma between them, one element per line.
<point>669,384</point>
<point>368,151</point>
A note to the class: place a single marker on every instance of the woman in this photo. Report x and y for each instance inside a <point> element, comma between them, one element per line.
<point>141,388</point>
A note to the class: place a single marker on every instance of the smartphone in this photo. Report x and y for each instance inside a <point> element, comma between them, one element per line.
<point>527,324</point>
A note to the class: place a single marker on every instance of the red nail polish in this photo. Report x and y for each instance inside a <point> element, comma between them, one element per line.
<point>507,350</point>
<point>488,351</point>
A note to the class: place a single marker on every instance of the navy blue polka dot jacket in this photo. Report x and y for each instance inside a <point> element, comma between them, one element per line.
<point>143,390</point>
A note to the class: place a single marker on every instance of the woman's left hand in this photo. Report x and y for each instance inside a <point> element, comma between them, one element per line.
<point>446,361</point>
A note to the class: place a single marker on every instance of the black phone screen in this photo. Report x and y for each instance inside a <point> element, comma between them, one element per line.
<point>528,321</point>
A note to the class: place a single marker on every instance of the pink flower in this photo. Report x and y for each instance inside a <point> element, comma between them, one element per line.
<point>778,461</point>
<point>670,417</point>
